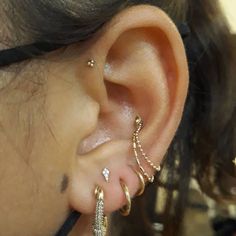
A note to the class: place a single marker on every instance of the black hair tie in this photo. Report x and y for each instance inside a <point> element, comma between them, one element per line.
<point>24,52</point>
<point>68,224</point>
<point>21,53</point>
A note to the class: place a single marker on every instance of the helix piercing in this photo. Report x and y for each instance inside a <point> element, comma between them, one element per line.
<point>91,63</point>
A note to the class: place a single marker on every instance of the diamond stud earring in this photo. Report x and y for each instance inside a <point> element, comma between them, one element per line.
<point>106,174</point>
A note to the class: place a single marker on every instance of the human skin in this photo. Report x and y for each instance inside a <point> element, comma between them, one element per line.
<point>62,122</point>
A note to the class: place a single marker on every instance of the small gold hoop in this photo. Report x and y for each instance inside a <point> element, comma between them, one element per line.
<point>99,194</point>
<point>141,183</point>
<point>125,210</point>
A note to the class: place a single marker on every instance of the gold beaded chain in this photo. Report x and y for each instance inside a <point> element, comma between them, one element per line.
<point>137,145</point>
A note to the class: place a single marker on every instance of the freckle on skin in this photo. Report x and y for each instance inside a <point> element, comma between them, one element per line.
<point>64,183</point>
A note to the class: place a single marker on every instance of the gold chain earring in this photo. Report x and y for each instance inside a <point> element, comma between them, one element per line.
<point>100,220</point>
<point>138,147</point>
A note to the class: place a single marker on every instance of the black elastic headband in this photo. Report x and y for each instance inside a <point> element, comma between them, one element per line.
<point>21,53</point>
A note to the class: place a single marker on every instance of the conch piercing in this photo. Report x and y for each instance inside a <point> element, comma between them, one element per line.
<point>91,63</point>
<point>138,147</point>
<point>125,210</point>
<point>100,220</point>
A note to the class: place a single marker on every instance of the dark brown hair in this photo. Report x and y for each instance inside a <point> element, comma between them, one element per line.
<point>204,144</point>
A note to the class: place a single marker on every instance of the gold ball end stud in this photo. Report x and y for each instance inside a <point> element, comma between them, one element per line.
<point>91,63</point>
<point>138,121</point>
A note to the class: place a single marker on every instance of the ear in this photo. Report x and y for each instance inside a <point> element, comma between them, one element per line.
<point>140,69</point>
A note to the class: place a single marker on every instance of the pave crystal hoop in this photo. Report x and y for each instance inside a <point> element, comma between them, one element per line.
<point>100,220</point>
<point>125,210</point>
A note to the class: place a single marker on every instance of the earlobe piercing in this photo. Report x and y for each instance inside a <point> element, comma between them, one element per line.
<point>141,183</point>
<point>125,210</point>
<point>106,173</point>
<point>100,220</point>
<point>91,63</point>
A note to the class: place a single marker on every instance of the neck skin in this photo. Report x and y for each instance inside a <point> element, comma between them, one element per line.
<point>83,227</point>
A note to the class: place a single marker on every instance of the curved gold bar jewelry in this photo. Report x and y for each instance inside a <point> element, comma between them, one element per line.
<point>141,183</point>
<point>125,210</point>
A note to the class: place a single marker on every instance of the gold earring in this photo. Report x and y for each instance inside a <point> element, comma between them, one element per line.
<point>137,146</point>
<point>125,210</point>
<point>141,183</point>
<point>91,63</point>
<point>100,220</point>
<point>106,173</point>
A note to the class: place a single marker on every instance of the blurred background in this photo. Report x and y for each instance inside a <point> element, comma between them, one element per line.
<point>229,6</point>
<point>204,216</point>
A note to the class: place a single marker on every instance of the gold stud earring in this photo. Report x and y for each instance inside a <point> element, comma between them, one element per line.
<point>125,210</point>
<point>91,63</point>
<point>100,220</point>
<point>106,174</point>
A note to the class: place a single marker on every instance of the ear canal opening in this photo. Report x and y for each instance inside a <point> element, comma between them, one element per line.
<point>119,93</point>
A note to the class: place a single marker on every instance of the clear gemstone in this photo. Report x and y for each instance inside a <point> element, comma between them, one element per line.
<point>106,173</point>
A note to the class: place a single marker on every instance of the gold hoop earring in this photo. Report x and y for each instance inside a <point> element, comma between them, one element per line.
<point>100,220</point>
<point>141,183</point>
<point>125,210</point>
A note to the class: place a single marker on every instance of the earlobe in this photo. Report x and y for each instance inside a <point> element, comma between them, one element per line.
<point>141,69</point>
